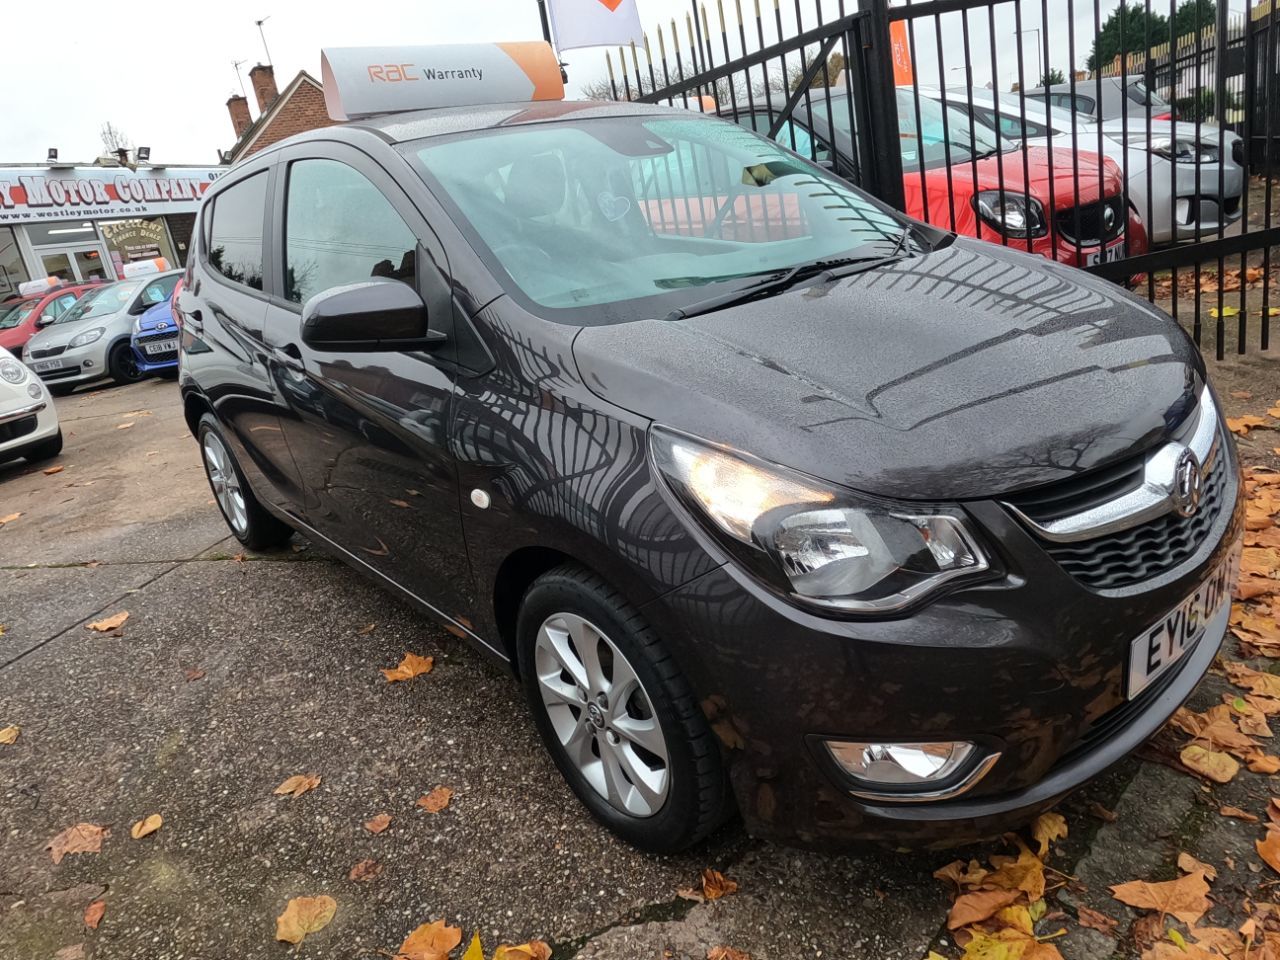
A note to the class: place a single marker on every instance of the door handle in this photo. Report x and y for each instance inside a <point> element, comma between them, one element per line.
<point>195,319</point>
<point>289,357</point>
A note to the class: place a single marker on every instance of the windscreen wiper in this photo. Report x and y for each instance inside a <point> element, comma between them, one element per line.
<point>832,269</point>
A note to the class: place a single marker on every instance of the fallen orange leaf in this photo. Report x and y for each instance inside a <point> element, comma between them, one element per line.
<point>1184,898</point>
<point>81,838</point>
<point>304,915</point>
<point>1238,814</point>
<point>1269,849</point>
<point>378,823</point>
<point>1048,828</point>
<point>436,800</point>
<point>1255,681</point>
<point>1242,425</point>
<point>297,785</point>
<point>1189,864</point>
<point>365,870</point>
<point>9,518</point>
<point>9,734</point>
<point>1216,766</point>
<point>431,941</point>
<point>93,914</point>
<point>980,905</point>
<point>146,826</point>
<point>727,953</point>
<point>411,666</point>
<point>1095,920</point>
<point>537,950</point>
<point>50,471</point>
<point>716,885</point>
<point>107,624</point>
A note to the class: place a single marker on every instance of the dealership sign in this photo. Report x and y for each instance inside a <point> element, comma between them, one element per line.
<point>44,193</point>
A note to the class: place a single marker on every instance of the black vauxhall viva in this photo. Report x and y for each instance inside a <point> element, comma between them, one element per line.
<point>771,498</point>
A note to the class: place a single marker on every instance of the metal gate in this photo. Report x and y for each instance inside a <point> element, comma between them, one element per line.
<point>1153,162</point>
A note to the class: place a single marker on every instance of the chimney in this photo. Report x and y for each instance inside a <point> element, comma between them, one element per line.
<point>238,107</point>
<point>263,78</point>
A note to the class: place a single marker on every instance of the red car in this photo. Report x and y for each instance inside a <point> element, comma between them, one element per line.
<point>20,319</point>
<point>954,181</point>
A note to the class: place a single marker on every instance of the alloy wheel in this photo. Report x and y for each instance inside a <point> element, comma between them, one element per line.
<point>602,714</point>
<point>226,483</point>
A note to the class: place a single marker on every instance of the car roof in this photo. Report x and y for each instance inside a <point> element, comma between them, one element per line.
<point>439,121</point>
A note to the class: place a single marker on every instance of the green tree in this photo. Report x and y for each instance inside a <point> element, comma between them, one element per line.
<point>1052,76</point>
<point>1193,15</point>
<point>1140,31</point>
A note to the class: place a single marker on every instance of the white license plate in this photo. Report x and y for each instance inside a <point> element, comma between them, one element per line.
<point>40,366</point>
<point>161,346</point>
<point>1109,255</point>
<point>1159,648</point>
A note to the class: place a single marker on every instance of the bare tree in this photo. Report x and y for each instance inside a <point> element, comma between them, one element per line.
<point>114,139</point>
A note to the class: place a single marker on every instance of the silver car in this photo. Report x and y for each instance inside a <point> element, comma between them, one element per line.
<point>91,340</point>
<point>1160,165</point>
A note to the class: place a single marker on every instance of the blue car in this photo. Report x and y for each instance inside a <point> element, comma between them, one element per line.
<point>155,340</point>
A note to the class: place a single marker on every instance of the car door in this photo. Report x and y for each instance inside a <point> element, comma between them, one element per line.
<point>368,428</point>
<point>226,307</point>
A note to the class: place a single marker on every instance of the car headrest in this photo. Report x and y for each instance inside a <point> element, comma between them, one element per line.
<point>535,186</point>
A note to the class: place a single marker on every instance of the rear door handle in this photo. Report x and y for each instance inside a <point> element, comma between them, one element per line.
<point>289,357</point>
<point>196,320</point>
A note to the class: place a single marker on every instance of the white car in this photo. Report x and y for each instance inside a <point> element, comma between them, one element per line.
<point>28,421</point>
<point>91,340</point>
<point>1160,170</point>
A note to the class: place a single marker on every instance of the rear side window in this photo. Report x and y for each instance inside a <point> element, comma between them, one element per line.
<point>339,229</point>
<point>157,291</point>
<point>235,234</point>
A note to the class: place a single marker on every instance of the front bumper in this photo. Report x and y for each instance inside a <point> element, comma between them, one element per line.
<point>71,365</point>
<point>29,422</point>
<point>1031,666</point>
<point>155,362</point>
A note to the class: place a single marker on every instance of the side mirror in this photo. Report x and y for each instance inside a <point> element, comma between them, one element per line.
<point>43,320</point>
<point>375,314</point>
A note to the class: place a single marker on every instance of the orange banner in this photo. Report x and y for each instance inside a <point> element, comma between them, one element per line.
<point>903,74</point>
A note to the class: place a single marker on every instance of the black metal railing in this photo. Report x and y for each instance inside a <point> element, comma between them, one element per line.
<point>1143,145</point>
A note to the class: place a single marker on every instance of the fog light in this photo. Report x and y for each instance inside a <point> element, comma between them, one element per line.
<point>33,390</point>
<point>88,363</point>
<point>900,764</point>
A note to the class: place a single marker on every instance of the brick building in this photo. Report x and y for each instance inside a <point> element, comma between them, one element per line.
<point>280,114</point>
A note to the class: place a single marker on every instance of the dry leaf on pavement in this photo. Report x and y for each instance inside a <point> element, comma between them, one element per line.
<point>193,674</point>
<point>971,908</point>
<point>297,785</point>
<point>716,885</point>
<point>1096,921</point>
<point>81,838</point>
<point>1269,849</point>
<point>1255,681</point>
<point>1238,814</point>
<point>50,471</point>
<point>9,518</point>
<point>367,629</point>
<point>378,823</point>
<point>533,950</point>
<point>146,826</point>
<point>107,624</point>
<point>1048,828</point>
<point>303,915</point>
<point>1242,425</point>
<point>1102,813</point>
<point>1189,864</point>
<point>962,875</point>
<point>365,870</point>
<point>1024,872</point>
<point>9,734</point>
<point>93,914</point>
<point>1216,766</point>
<point>1184,898</point>
<point>411,666</point>
<point>124,426</point>
<point>431,941</point>
<point>73,952</point>
<point>436,800</point>
<point>727,953</point>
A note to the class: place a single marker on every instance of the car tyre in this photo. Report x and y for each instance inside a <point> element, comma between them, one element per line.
<point>249,522</point>
<point>45,449</point>
<point>122,365</point>
<point>660,784</point>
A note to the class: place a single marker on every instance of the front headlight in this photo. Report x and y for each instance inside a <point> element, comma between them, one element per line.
<point>89,336</point>
<point>11,371</point>
<point>1181,151</point>
<point>1012,214</point>
<point>816,543</point>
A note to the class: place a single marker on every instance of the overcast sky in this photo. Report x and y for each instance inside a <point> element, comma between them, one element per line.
<point>162,72</point>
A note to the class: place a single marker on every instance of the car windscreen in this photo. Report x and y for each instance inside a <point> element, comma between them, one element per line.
<point>101,302</point>
<point>12,316</point>
<point>1139,93</point>
<point>943,135</point>
<point>623,218</point>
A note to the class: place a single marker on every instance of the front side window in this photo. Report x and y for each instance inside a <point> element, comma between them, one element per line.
<point>942,136</point>
<point>12,316</point>
<point>235,235</point>
<point>157,291</point>
<point>639,215</point>
<point>339,229</point>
